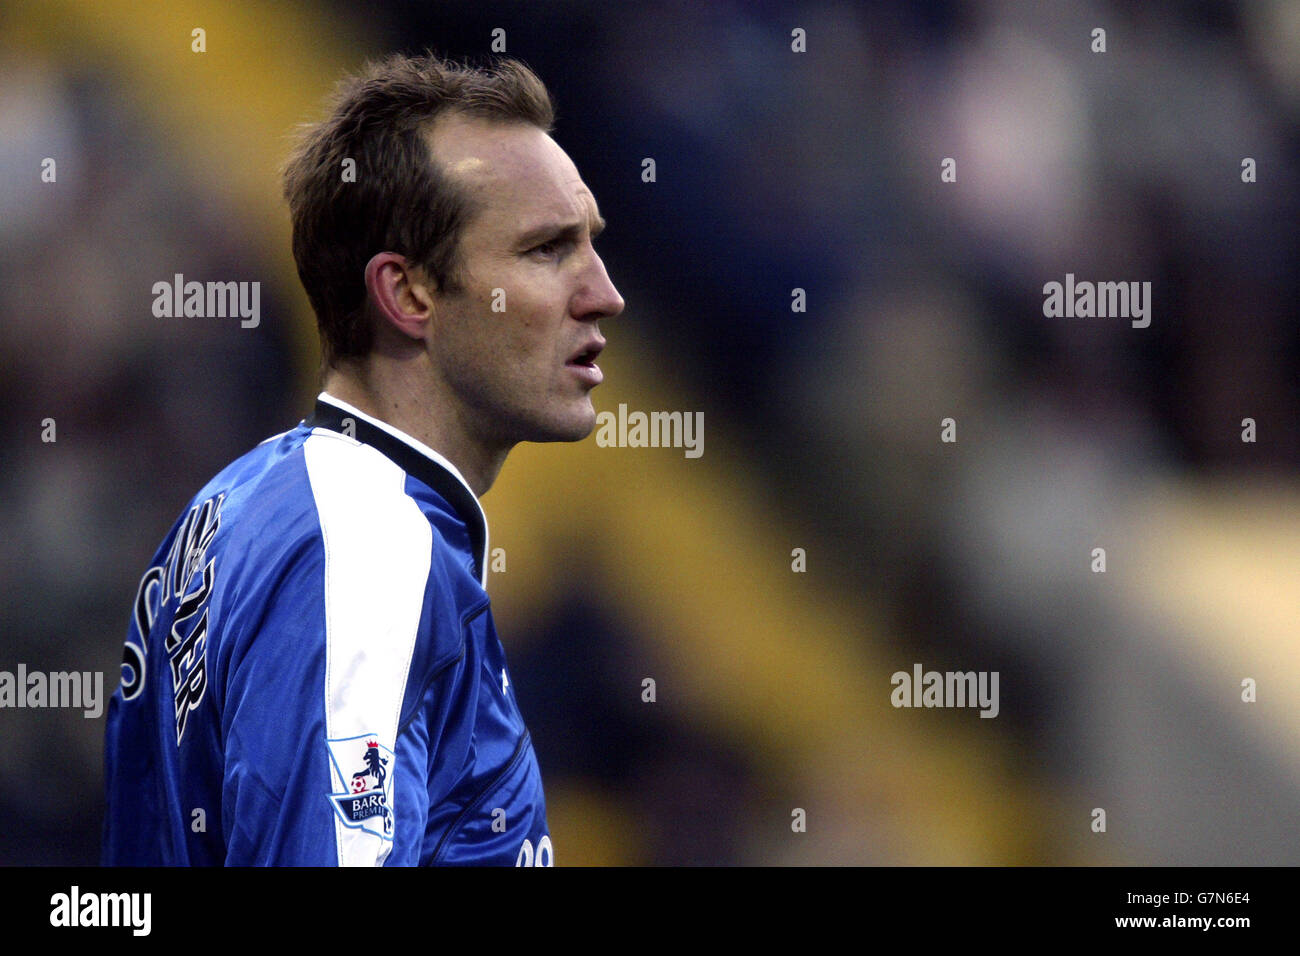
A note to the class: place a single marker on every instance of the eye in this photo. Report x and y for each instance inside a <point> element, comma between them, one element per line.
<point>551,249</point>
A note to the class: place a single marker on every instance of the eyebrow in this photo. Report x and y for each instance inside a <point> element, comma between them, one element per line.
<point>561,230</point>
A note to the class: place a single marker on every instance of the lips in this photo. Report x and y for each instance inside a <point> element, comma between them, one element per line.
<point>586,356</point>
<point>583,363</point>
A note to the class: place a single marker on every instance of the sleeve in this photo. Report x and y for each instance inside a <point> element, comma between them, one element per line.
<point>314,772</point>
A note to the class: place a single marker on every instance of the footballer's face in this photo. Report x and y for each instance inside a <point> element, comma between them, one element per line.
<point>517,343</point>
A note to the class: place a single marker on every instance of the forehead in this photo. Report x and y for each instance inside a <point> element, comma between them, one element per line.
<point>516,174</point>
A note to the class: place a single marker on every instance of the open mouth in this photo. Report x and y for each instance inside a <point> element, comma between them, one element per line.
<point>584,364</point>
<point>587,358</point>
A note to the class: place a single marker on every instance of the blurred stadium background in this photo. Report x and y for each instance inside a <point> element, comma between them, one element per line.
<point>775,170</point>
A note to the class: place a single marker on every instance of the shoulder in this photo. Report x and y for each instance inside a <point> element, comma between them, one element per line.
<point>328,546</point>
<point>371,528</point>
<point>328,525</point>
<point>317,510</point>
<point>387,566</point>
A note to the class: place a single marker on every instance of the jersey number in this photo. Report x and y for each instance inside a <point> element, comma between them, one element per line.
<point>544,856</point>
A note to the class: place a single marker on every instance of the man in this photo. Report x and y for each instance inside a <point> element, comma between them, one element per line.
<point>312,674</point>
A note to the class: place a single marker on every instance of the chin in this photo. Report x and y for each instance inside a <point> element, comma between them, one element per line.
<point>573,424</point>
<point>581,427</point>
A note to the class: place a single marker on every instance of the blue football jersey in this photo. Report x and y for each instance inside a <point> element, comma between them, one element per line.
<point>312,675</point>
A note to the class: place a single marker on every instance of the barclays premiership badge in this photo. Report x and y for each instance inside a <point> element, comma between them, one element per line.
<point>362,771</point>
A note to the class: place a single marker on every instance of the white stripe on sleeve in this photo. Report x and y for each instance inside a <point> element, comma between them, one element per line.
<point>377,553</point>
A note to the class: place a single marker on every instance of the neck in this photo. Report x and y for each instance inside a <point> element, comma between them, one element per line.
<point>391,396</point>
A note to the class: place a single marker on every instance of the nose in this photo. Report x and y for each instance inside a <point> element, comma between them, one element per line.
<point>597,298</point>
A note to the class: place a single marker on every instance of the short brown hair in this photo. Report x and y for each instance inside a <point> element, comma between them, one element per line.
<point>400,202</point>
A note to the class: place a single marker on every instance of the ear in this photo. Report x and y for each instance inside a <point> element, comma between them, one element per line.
<point>399,294</point>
